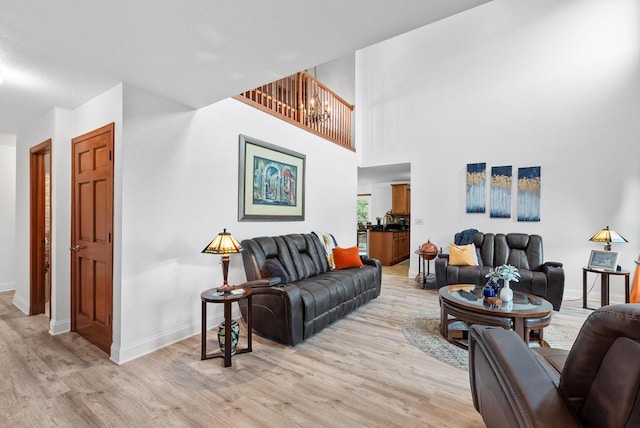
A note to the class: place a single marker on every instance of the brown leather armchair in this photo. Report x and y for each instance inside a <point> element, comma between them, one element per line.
<point>543,279</point>
<point>595,384</point>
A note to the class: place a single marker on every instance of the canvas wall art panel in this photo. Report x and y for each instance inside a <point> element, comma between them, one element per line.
<point>500,192</point>
<point>529,194</point>
<point>476,179</point>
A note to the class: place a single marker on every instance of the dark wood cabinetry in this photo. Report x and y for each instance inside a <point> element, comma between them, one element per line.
<point>389,247</point>
<point>401,199</point>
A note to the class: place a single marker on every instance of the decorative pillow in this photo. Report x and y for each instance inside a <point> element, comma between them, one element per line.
<point>463,255</point>
<point>347,257</point>
<point>272,268</point>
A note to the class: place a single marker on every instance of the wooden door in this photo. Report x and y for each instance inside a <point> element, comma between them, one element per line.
<point>91,236</point>
<point>40,222</point>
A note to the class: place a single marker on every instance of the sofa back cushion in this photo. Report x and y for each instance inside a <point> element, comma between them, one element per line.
<point>517,249</point>
<point>300,255</point>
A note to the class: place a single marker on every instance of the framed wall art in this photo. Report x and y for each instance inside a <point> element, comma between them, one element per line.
<point>500,192</point>
<point>476,179</point>
<point>271,184</point>
<point>529,194</point>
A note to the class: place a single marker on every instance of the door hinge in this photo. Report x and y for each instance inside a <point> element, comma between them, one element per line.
<point>109,154</point>
<point>108,319</point>
<point>109,237</point>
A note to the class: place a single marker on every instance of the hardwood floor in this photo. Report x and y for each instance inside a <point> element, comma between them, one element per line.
<point>359,372</point>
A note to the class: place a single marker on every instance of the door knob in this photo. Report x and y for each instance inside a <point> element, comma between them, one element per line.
<point>75,248</point>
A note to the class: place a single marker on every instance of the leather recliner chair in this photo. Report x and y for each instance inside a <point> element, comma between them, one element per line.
<point>595,384</point>
<point>543,279</point>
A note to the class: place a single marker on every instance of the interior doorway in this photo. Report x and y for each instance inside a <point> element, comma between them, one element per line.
<point>40,245</point>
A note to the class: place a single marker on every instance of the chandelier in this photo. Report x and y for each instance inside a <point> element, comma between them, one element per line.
<point>317,112</point>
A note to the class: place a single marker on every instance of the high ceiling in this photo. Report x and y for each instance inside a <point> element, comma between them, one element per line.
<point>196,52</point>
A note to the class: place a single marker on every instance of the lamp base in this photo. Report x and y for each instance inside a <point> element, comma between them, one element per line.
<point>225,288</point>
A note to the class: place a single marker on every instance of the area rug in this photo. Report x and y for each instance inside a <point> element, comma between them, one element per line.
<point>422,329</point>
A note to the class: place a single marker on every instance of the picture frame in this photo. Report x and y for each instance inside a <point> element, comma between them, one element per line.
<point>604,260</point>
<point>271,182</point>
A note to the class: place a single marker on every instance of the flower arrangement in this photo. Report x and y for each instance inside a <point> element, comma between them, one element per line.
<point>505,272</point>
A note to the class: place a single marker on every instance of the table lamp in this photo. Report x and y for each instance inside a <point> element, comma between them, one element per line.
<point>607,236</point>
<point>224,244</point>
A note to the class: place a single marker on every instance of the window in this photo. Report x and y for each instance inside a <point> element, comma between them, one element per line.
<point>364,203</point>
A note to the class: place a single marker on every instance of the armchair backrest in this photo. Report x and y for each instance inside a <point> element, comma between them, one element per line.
<point>601,376</point>
<point>518,249</point>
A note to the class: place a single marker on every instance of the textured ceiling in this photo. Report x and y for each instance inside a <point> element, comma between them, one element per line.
<point>198,52</point>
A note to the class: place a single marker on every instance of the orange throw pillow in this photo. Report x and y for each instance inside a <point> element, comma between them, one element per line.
<point>347,257</point>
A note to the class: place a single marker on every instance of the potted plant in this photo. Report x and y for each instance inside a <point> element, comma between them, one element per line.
<point>508,273</point>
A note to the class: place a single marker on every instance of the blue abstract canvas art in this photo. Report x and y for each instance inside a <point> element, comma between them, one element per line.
<point>529,194</point>
<point>476,178</point>
<point>500,192</point>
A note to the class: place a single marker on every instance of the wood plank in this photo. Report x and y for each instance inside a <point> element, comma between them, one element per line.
<point>360,371</point>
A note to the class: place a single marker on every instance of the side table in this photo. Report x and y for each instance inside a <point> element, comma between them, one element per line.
<point>212,296</point>
<point>604,285</point>
<point>427,277</point>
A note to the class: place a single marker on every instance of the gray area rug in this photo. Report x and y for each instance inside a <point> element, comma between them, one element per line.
<point>422,329</point>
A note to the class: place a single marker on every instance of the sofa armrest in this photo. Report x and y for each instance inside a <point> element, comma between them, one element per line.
<point>442,264</point>
<point>264,282</point>
<point>555,285</point>
<point>509,385</point>
<point>552,264</point>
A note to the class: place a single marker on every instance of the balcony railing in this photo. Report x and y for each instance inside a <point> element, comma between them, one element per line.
<point>305,102</point>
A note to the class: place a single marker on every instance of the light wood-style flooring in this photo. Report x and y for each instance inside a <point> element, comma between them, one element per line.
<point>360,372</point>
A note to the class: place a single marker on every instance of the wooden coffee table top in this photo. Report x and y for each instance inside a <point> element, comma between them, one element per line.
<point>471,298</point>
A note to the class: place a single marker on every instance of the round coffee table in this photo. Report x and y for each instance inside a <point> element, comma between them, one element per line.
<point>465,303</point>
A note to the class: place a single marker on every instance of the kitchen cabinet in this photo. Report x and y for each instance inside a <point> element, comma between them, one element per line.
<point>401,199</point>
<point>389,247</point>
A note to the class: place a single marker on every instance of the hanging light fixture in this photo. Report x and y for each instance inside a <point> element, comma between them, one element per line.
<point>316,111</point>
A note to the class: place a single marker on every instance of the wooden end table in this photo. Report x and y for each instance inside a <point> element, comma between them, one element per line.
<point>212,296</point>
<point>465,302</point>
<point>604,285</point>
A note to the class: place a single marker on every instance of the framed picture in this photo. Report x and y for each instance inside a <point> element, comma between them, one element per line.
<point>603,260</point>
<point>271,182</point>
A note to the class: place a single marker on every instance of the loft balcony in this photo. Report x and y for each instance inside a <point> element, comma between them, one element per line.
<point>303,101</point>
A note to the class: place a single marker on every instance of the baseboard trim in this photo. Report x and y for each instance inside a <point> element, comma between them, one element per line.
<point>59,327</point>
<point>121,355</point>
<point>21,304</point>
<point>7,286</point>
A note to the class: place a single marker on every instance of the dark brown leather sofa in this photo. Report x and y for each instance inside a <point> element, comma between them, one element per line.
<point>313,297</point>
<point>595,384</point>
<point>543,279</point>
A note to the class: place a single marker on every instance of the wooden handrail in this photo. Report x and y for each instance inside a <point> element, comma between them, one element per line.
<point>286,98</point>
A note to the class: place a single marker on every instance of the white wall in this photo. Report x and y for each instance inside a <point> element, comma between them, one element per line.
<point>61,126</point>
<point>180,188</point>
<point>175,188</point>
<point>552,83</point>
<point>7,211</point>
<point>38,131</point>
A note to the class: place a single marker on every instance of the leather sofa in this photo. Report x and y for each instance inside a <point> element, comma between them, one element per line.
<point>312,296</point>
<point>595,384</point>
<point>543,279</point>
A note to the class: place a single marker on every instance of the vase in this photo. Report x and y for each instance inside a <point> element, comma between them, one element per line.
<point>235,333</point>
<point>506,294</point>
<point>488,290</point>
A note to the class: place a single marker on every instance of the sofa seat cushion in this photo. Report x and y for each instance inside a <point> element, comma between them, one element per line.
<point>531,282</point>
<point>331,295</point>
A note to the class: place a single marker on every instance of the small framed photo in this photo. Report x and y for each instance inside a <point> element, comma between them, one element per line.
<point>603,260</point>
